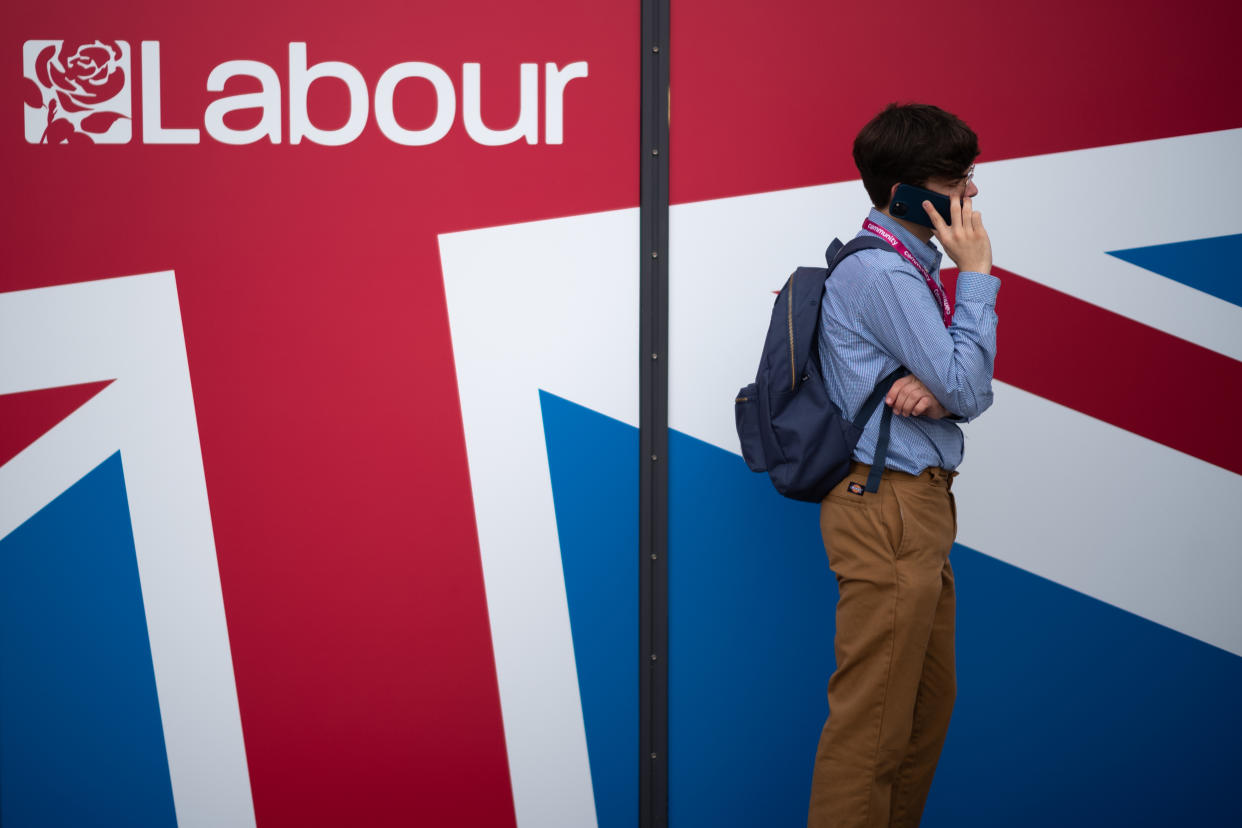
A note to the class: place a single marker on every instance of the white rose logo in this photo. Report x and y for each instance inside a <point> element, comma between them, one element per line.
<point>77,92</point>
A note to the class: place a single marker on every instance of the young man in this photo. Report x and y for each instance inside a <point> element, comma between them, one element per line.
<point>892,693</point>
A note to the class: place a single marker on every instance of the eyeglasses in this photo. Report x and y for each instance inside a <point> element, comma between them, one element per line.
<point>970,175</point>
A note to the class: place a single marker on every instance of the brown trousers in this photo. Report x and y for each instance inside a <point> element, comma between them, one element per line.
<point>891,697</point>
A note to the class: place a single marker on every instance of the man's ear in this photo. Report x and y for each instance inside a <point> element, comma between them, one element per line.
<point>892,193</point>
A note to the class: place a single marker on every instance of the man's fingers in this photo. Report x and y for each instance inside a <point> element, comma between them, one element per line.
<point>902,404</point>
<point>909,397</point>
<point>955,210</point>
<point>918,403</point>
<point>897,393</point>
<point>891,396</point>
<point>938,224</point>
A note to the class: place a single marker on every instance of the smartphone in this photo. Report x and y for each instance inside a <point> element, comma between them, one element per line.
<point>908,201</point>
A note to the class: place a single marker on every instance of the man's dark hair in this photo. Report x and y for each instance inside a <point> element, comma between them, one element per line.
<point>909,144</point>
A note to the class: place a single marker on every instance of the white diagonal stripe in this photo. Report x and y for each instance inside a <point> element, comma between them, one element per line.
<point>130,329</point>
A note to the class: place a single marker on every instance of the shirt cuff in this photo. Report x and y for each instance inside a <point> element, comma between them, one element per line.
<point>977,287</point>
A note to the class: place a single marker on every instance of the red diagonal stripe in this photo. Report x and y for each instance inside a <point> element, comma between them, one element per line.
<point>1123,372</point>
<point>28,415</point>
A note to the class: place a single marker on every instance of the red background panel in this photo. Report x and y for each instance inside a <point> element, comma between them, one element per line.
<point>770,96</point>
<point>321,362</point>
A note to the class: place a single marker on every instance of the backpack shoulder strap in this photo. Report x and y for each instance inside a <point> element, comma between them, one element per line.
<point>838,252</point>
<point>886,419</point>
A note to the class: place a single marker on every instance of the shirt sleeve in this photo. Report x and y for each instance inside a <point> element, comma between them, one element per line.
<point>955,363</point>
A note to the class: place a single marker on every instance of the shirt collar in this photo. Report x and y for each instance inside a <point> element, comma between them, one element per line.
<point>926,252</point>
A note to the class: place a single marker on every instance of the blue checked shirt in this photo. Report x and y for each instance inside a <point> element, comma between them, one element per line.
<point>877,315</point>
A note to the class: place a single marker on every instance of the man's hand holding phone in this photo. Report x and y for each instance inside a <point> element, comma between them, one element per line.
<point>965,240</point>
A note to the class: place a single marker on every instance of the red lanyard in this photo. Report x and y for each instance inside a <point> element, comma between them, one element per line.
<point>946,312</point>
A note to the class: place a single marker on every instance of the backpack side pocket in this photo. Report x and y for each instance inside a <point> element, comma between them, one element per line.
<point>746,415</point>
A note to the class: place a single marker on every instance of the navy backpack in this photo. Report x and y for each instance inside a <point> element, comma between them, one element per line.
<point>787,425</point>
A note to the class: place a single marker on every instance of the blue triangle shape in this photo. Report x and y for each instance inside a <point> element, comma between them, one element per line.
<point>1210,265</point>
<point>81,739</point>
<point>593,462</point>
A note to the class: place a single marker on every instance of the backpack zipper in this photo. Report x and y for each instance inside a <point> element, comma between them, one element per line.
<point>793,369</point>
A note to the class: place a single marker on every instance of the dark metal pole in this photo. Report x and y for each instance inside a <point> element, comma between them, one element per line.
<point>653,422</point>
